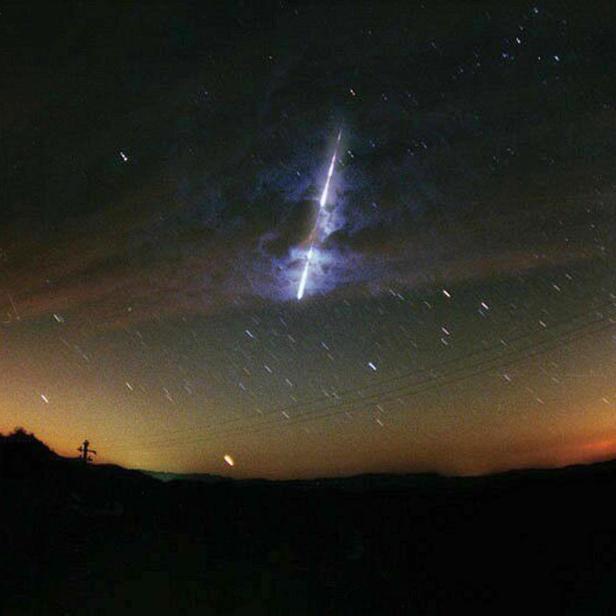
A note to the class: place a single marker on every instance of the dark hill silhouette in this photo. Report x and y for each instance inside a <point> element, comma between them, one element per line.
<point>21,452</point>
<point>102,539</point>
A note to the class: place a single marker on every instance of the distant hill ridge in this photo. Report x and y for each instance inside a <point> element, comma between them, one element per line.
<point>22,453</point>
<point>549,533</point>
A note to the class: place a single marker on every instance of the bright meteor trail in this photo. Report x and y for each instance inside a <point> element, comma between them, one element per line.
<point>322,202</point>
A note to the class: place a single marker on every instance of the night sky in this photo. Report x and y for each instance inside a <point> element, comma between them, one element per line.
<point>161,166</point>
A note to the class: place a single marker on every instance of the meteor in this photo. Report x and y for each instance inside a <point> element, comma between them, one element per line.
<point>322,202</point>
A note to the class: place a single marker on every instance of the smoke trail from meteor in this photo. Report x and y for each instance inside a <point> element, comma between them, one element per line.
<point>322,202</point>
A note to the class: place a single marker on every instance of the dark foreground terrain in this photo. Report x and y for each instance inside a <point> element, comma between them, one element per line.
<point>101,539</point>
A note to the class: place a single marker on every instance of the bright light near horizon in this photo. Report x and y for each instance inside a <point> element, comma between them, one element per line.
<point>229,460</point>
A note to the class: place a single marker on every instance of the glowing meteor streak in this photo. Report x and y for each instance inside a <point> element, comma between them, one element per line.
<point>322,202</point>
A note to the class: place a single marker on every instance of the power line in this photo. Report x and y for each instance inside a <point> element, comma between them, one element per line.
<point>478,368</point>
<point>400,377</point>
<point>362,399</point>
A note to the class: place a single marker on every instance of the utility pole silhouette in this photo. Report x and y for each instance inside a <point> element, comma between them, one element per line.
<point>85,452</point>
